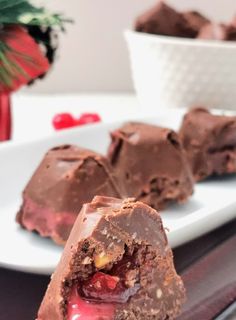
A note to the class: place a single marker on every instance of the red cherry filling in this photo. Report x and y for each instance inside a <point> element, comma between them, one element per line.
<point>79,309</point>
<point>96,298</point>
<point>105,288</point>
<point>118,286</point>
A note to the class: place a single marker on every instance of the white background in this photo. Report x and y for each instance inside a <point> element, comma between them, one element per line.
<point>93,56</point>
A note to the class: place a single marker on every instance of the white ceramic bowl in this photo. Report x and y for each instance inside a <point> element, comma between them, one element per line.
<point>177,72</point>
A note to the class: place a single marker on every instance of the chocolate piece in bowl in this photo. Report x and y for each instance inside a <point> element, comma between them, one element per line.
<point>67,177</point>
<point>231,33</point>
<point>164,20</point>
<point>151,163</point>
<point>210,143</point>
<point>231,30</point>
<point>117,265</point>
<point>196,20</point>
<point>213,31</point>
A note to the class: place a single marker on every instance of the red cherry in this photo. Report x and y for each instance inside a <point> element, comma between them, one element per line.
<point>85,310</point>
<point>108,289</point>
<point>104,281</point>
<point>112,282</point>
<point>63,120</point>
<point>86,118</point>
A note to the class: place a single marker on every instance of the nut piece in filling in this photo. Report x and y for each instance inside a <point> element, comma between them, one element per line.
<point>116,265</point>
<point>210,143</point>
<point>151,163</point>
<point>67,177</point>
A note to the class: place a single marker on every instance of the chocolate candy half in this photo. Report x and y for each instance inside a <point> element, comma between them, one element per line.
<point>67,177</point>
<point>116,265</point>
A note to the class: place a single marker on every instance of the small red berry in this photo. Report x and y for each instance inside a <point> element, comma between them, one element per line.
<point>63,120</point>
<point>87,118</point>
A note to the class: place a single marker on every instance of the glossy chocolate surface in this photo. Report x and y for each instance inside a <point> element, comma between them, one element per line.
<point>196,20</point>
<point>151,164</point>
<point>124,240</point>
<point>67,177</point>
<point>210,143</point>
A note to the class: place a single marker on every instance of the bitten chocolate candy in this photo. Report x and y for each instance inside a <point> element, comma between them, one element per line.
<point>210,143</point>
<point>116,265</point>
<point>164,20</point>
<point>67,177</point>
<point>151,163</point>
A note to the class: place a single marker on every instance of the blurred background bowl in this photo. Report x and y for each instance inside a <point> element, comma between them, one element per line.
<point>177,72</point>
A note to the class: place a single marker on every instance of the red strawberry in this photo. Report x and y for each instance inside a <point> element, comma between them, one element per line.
<point>24,60</point>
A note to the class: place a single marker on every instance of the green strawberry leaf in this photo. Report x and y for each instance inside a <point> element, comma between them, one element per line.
<point>23,12</point>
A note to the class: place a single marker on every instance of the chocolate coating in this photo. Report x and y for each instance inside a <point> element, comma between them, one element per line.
<point>164,20</point>
<point>231,32</point>
<point>114,228</point>
<point>67,177</point>
<point>196,20</point>
<point>231,29</point>
<point>151,163</point>
<point>210,143</point>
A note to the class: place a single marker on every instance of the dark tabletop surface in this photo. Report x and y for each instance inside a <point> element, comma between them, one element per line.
<point>207,265</point>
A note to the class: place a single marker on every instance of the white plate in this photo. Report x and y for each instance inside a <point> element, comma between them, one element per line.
<point>213,203</point>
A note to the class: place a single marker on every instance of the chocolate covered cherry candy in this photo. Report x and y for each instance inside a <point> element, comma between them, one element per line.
<point>116,265</point>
